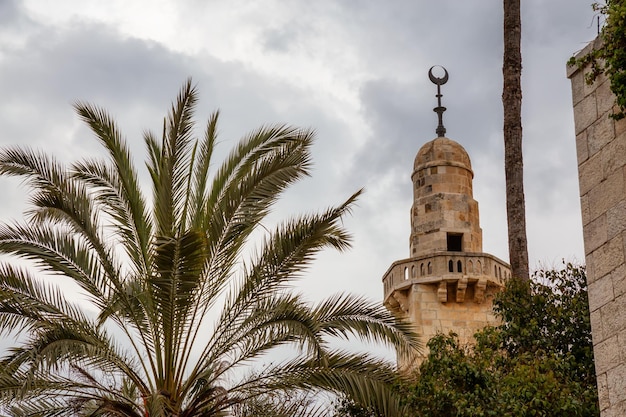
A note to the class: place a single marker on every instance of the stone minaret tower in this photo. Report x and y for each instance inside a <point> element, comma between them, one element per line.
<point>447,283</point>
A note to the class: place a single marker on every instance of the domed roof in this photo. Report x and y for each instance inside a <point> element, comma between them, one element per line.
<point>442,151</point>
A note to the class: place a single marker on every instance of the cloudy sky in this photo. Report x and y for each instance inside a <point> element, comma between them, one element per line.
<point>354,70</point>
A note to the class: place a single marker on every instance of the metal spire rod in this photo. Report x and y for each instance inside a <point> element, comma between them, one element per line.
<point>441,131</point>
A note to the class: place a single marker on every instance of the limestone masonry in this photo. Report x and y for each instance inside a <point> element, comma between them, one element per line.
<point>447,283</point>
<point>601,150</point>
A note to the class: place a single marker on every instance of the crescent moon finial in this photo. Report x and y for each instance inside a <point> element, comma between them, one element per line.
<point>437,80</point>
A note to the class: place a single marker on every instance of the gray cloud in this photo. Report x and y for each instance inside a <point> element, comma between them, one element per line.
<point>9,12</point>
<point>390,46</point>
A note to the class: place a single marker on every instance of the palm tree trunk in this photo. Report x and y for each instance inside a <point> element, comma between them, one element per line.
<point>513,159</point>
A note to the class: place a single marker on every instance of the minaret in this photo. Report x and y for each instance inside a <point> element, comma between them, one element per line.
<point>447,283</point>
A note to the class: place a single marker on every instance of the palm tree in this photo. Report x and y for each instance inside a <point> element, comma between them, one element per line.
<point>513,158</point>
<point>167,275</point>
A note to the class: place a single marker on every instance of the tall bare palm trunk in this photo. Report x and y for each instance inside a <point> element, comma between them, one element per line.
<point>513,159</point>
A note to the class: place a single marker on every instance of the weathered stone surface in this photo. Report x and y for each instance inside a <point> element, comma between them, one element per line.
<point>590,174</point>
<point>595,234</point>
<point>620,126</point>
<point>603,392</point>
<point>596,324</point>
<point>582,148</point>
<point>616,219</point>
<point>428,314</point>
<point>613,316</point>
<point>616,381</point>
<point>621,346</point>
<point>618,277</point>
<point>599,134</point>
<point>607,257</point>
<point>604,98</point>
<point>606,194</point>
<point>601,153</point>
<point>585,113</point>
<point>607,354</point>
<point>584,209</point>
<point>616,410</point>
<point>578,91</point>
<point>600,293</point>
<point>614,155</point>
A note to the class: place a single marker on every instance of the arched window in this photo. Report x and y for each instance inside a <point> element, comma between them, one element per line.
<point>422,270</point>
<point>495,271</point>
<point>450,266</point>
<point>470,267</point>
<point>430,268</point>
<point>413,272</point>
<point>459,266</point>
<point>406,273</point>
<point>499,272</point>
<point>479,267</point>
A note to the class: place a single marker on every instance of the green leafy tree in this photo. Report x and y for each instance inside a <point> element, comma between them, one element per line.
<point>165,274</point>
<point>550,316</point>
<point>539,362</point>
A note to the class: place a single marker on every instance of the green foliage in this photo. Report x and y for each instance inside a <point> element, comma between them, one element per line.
<point>610,56</point>
<point>539,362</point>
<point>550,316</point>
<point>346,407</point>
<point>166,275</point>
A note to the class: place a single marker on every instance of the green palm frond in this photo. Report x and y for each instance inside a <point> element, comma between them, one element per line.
<point>360,377</point>
<point>272,322</point>
<point>48,407</point>
<point>199,193</point>
<point>175,316</point>
<point>56,198</point>
<point>108,194</point>
<point>345,315</point>
<point>57,252</point>
<point>246,185</point>
<point>27,304</point>
<point>125,183</point>
<point>169,163</point>
<point>285,255</point>
<point>39,170</point>
<point>62,210</point>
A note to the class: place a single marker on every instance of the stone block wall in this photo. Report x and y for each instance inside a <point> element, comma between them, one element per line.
<point>430,316</point>
<point>435,299</point>
<point>601,151</point>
